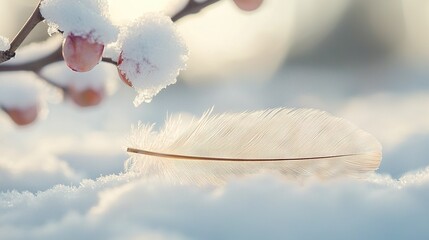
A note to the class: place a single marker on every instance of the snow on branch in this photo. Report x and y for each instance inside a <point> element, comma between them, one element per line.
<point>92,19</point>
<point>4,43</point>
<point>152,53</point>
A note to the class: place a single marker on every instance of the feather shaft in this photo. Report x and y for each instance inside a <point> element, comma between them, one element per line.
<point>226,159</point>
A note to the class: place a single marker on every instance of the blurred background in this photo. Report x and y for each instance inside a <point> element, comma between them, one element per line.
<point>364,60</point>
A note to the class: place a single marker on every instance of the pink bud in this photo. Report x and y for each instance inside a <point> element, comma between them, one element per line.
<point>248,5</point>
<point>121,73</point>
<point>24,115</point>
<point>86,97</point>
<point>80,53</point>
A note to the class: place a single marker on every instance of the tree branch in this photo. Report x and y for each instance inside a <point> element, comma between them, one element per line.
<point>35,65</point>
<point>35,18</point>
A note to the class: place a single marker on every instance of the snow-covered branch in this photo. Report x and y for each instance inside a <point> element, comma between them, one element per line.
<point>192,7</point>
<point>149,52</point>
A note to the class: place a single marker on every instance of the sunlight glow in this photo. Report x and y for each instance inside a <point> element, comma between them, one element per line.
<point>123,11</point>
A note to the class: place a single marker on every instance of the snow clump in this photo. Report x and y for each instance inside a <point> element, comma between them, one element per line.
<point>152,53</point>
<point>80,18</point>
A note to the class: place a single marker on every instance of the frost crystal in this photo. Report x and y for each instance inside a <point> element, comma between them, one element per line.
<point>80,17</point>
<point>4,43</point>
<point>152,54</point>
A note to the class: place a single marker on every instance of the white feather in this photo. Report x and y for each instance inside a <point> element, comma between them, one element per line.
<point>294,142</point>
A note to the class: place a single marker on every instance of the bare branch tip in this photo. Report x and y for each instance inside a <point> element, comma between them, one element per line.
<point>6,56</point>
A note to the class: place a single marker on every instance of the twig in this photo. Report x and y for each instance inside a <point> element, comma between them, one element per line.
<point>192,7</point>
<point>37,64</point>
<point>50,82</point>
<point>34,65</point>
<point>35,18</point>
<point>109,60</point>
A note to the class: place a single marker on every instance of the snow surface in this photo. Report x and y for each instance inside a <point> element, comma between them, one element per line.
<point>152,53</point>
<point>4,43</point>
<point>87,18</point>
<point>262,207</point>
<point>73,147</point>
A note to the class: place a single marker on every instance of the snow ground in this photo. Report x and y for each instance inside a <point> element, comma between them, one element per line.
<point>74,147</point>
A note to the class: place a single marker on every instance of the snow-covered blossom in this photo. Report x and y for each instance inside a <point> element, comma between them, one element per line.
<point>152,53</point>
<point>80,17</point>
